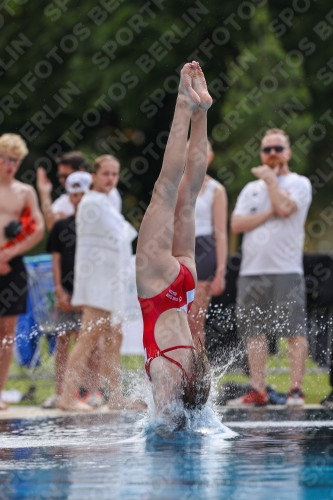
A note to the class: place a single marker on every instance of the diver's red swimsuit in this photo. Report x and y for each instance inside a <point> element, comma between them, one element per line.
<point>179,295</point>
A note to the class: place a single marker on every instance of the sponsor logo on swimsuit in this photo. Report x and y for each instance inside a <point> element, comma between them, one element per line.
<point>173,296</point>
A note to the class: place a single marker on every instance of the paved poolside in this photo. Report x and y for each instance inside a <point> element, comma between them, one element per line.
<point>261,413</point>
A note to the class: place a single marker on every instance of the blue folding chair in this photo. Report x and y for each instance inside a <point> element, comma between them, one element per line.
<point>38,318</point>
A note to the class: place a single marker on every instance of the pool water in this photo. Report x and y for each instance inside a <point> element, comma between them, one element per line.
<point>266,454</point>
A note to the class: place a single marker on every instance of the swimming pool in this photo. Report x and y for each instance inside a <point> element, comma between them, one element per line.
<point>275,455</point>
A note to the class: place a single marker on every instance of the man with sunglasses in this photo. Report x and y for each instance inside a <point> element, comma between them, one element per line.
<point>62,207</point>
<point>271,212</point>
<point>21,228</point>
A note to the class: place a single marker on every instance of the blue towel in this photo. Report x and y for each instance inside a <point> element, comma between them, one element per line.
<point>27,337</point>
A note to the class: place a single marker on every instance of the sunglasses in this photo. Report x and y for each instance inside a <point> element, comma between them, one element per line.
<point>277,149</point>
<point>9,159</point>
<point>62,176</point>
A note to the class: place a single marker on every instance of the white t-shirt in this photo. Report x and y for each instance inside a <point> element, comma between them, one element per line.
<point>275,247</point>
<point>204,210</point>
<point>64,205</point>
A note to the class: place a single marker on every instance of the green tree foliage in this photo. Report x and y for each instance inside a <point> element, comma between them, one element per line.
<point>102,76</point>
<point>260,98</point>
<point>306,30</point>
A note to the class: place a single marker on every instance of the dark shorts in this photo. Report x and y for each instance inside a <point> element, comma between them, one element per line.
<point>14,289</point>
<point>271,305</point>
<point>205,257</point>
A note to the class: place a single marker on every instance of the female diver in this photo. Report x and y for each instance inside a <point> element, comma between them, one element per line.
<point>166,271</point>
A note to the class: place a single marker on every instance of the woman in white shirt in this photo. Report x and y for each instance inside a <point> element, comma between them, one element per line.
<point>102,254</point>
<point>210,249</point>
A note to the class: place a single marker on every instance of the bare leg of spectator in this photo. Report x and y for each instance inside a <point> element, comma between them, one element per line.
<point>112,365</point>
<point>61,357</point>
<point>93,379</point>
<point>94,323</point>
<point>112,370</point>
<point>331,370</point>
<point>257,354</point>
<point>7,333</point>
<point>298,352</point>
<point>197,315</point>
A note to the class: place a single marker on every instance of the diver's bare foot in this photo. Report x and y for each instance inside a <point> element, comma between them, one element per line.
<point>185,91</point>
<point>200,87</point>
<point>3,405</point>
<point>74,405</point>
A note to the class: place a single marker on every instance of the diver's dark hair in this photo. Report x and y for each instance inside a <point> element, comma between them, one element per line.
<point>194,394</point>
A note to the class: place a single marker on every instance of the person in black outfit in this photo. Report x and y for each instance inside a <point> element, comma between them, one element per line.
<point>61,243</point>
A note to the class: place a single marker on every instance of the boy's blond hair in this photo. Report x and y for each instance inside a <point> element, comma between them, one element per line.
<point>13,143</point>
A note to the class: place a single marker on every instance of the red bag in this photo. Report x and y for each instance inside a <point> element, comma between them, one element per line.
<point>28,227</point>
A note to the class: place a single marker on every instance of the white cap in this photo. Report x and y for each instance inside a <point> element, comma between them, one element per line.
<point>78,182</point>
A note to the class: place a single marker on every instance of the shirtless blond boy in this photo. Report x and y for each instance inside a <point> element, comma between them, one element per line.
<point>15,198</point>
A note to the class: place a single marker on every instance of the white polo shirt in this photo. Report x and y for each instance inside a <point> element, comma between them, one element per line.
<point>276,246</point>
